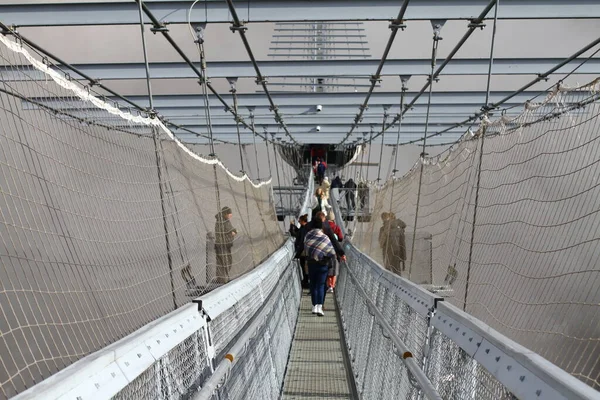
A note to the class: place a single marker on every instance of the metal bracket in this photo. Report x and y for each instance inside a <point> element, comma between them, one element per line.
<point>241,27</point>
<point>404,79</point>
<point>159,28</point>
<point>475,25</point>
<point>261,81</point>
<point>543,77</point>
<point>375,79</point>
<point>437,25</point>
<point>397,24</point>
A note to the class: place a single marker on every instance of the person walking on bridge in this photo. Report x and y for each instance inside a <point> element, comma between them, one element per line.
<point>224,236</point>
<point>334,268</point>
<point>299,248</point>
<point>320,251</point>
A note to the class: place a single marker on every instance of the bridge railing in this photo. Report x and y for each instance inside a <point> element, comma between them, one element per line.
<point>461,356</point>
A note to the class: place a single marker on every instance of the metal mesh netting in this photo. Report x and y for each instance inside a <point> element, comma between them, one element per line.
<point>228,324</point>
<point>174,374</point>
<point>378,369</point>
<point>528,268</point>
<point>259,370</point>
<point>106,221</point>
<point>456,375</point>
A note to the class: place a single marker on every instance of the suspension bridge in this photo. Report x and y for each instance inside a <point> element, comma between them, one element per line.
<point>154,153</point>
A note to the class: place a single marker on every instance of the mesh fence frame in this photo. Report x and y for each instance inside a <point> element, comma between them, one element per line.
<point>227,325</point>
<point>529,269</point>
<point>456,375</point>
<point>99,236</point>
<point>377,367</point>
<point>260,369</point>
<point>174,374</point>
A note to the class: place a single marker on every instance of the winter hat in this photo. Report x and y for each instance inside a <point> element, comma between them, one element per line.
<point>226,211</point>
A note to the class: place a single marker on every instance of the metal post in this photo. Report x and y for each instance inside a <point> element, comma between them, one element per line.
<point>268,154</point>
<point>232,81</point>
<point>278,179</point>
<point>203,83</point>
<point>385,117</point>
<point>251,110</point>
<point>437,27</point>
<point>158,151</point>
<point>487,98</point>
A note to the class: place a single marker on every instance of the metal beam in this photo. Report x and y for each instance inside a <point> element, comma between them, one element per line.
<point>59,13</point>
<point>306,129</point>
<point>308,124</point>
<point>320,68</point>
<point>311,100</point>
<point>348,111</point>
<point>329,138</point>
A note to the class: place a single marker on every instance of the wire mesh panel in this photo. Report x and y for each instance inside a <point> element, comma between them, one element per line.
<point>378,368</point>
<point>174,374</point>
<point>260,368</point>
<point>456,375</point>
<point>106,221</point>
<point>507,227</point>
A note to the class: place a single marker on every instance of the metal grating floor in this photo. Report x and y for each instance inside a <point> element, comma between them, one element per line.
<point>316,367</point>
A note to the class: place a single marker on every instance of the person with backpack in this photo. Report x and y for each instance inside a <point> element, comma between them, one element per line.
<point>334,268</point>
<point>319,252</point>
<point>299,248</point>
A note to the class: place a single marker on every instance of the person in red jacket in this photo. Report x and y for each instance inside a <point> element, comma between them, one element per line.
<point>334,271</point>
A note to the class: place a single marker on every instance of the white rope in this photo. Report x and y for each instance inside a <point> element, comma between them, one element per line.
<point>137,119</point>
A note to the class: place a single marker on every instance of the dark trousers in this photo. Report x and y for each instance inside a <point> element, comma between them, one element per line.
<point>350,200</point>
<point>304,272</point>
<point>318,276</point>
<point>224,261</point>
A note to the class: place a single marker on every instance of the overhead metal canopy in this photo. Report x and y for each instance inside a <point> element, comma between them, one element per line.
<point>216,11</point>
<point>344,113</point>
<point>322,68</point>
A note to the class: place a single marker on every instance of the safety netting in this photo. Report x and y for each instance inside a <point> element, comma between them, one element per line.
<point>505,225</point>
<point>107,220</point>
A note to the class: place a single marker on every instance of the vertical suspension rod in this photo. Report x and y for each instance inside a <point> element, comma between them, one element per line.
<point>278,178</point>
<point>402,95</point>
<point>251,109</point>
<point>487,97</point>
<point>237,123</point>
<point>203,85</point>
<point>157,149</point>
<point>260,79</point>
<point>436,41</point>
<point>385,117</point>
<point>394,26</point>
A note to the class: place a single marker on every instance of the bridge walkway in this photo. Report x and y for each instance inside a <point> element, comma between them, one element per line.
<point>318,367</point>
